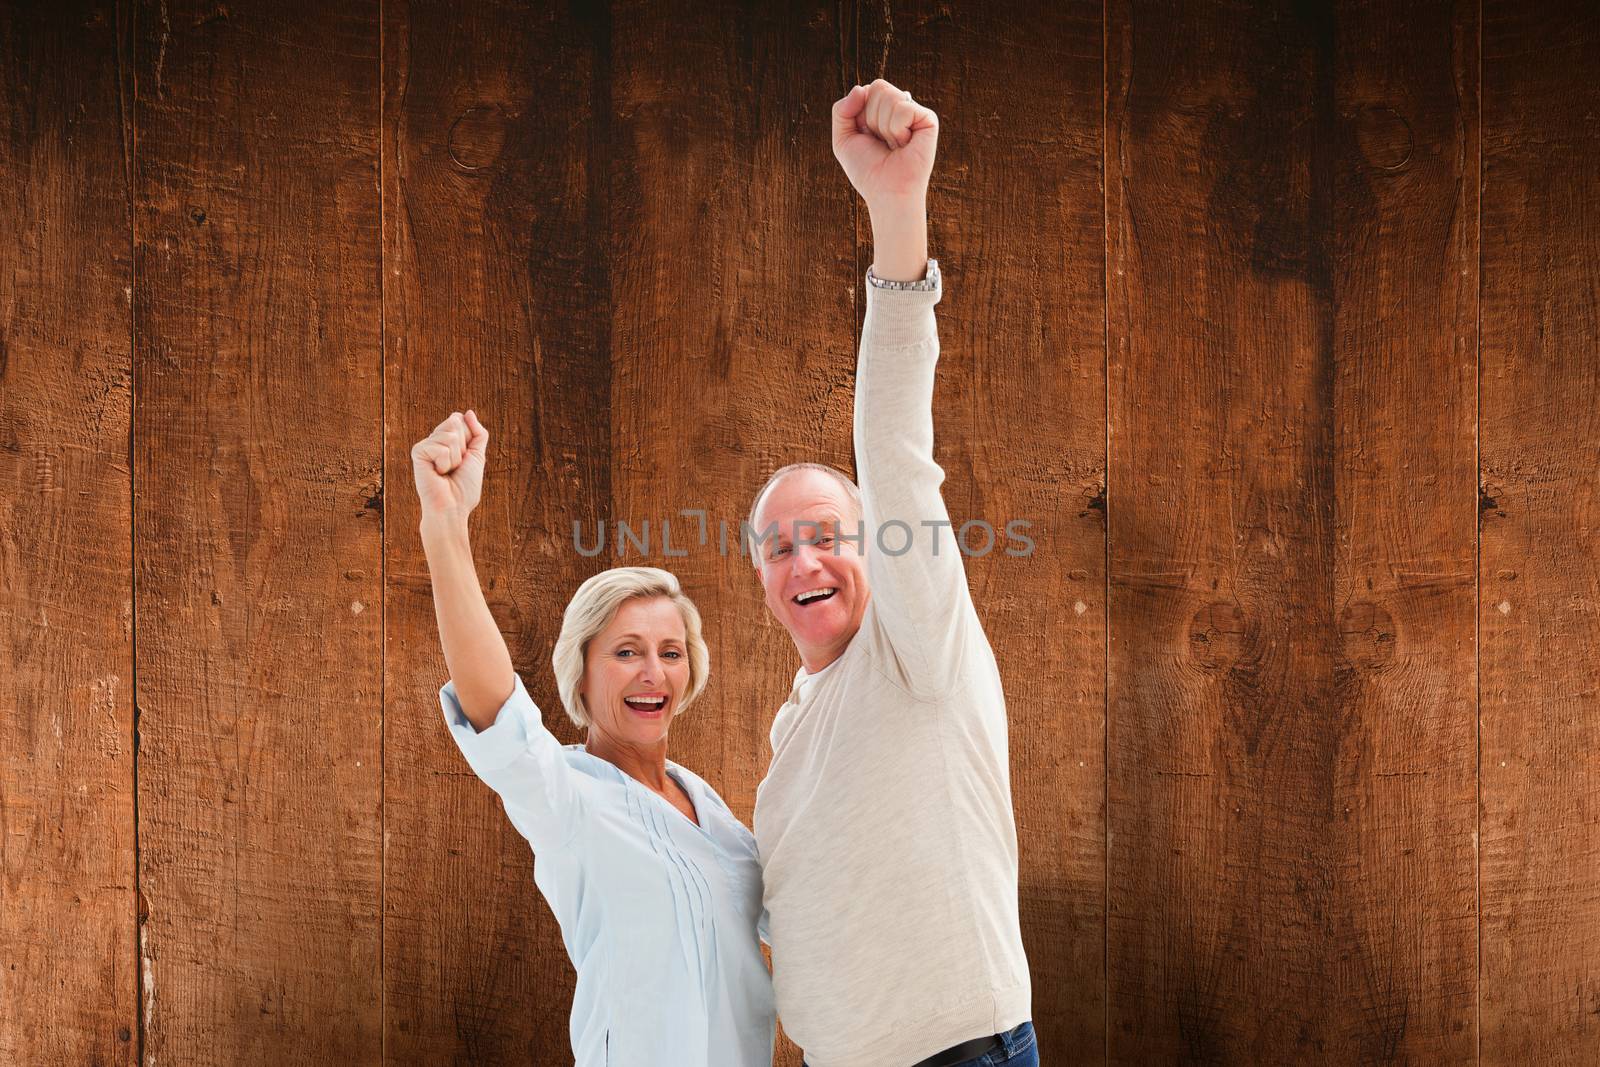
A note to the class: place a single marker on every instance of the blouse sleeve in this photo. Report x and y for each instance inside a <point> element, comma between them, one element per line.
<point>523,762</point>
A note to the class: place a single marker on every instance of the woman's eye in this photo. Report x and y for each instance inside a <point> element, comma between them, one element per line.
<point>674,653</point>
<point>624,651</point>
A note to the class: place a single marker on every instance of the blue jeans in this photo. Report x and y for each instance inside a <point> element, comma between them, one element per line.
<point>1018,1048</point>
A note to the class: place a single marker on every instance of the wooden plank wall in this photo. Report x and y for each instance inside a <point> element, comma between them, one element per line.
<point>67,798</point>
<point>1302,670</point>
<point>258,529</point>
<point>1292,326</point>
<point>1539,569</point>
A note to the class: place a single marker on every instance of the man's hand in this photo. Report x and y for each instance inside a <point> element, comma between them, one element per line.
<point>885,142</point>
<point>448,466</point>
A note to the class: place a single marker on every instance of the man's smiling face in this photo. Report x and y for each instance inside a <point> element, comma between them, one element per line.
<point>817,591</point>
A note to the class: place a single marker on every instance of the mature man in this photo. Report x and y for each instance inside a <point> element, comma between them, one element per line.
<point>884,823</point>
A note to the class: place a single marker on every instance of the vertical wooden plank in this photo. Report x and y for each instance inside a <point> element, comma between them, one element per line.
<point>67,948</point>
<point>1404,686</point>
<point>1220,494</point>
<point>257,522</point>
<point>1016,221</point>
<point>1540,560</point>
<point>496,170</point>
<point>1290,802</point>
<point>735,267</point>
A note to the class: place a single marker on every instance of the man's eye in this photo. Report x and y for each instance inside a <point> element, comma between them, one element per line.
<point>779,551</point>
<point>825,540</point>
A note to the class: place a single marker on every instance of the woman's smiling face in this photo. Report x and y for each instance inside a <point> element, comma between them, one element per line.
<point>636,672</point>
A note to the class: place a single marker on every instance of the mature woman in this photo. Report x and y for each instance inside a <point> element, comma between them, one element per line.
<point>656,885</point>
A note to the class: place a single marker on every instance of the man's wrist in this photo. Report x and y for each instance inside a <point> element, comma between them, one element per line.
<point>900,239</point>
<point>929,282</point>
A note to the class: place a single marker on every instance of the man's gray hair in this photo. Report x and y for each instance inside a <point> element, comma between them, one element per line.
<point>850,488</point>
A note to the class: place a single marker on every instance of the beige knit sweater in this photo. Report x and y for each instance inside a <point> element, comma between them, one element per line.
<point>887,841</point>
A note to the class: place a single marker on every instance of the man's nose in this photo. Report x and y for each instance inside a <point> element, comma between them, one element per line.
<point>805,560</point>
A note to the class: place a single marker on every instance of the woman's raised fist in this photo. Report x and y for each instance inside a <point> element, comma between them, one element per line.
<point>448,465</point>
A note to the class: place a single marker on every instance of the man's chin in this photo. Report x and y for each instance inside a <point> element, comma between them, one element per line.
<point>819,633</point>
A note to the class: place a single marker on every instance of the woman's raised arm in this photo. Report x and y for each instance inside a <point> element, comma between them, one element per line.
<point>448,468</point>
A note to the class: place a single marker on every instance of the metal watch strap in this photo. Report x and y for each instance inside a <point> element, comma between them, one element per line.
<point>927,283</point>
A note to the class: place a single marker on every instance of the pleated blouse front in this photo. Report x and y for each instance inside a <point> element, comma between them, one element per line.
<point>659,916</point>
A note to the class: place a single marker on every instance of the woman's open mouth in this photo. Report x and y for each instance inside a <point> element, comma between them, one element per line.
<point>651,706</point>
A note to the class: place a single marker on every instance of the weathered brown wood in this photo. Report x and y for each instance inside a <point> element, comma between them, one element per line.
<point>1292,242</point>
<point>68,958</point>
<point>1540,560</point>
<point>257,530</point>
<point>618,233</point>
<point>1016,209</point>
<point>734,258</point>
<point>1405,262</point>
<point>496,201</point>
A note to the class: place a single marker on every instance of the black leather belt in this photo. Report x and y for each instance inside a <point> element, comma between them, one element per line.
<point>967,1050</point>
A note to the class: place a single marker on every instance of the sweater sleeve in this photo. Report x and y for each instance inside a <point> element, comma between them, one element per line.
<point>523,762</point>
<point>919,586</point>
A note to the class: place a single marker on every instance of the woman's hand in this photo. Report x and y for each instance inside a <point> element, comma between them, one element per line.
<point>448,465</point>
<point>885,142</point>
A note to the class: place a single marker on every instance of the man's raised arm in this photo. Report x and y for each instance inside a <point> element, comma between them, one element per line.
<point>886,141</point>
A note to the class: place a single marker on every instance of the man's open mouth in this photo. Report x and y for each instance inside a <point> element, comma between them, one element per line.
<point>814,596</point>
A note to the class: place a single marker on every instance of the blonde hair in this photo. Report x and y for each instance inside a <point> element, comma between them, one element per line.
<point>591,610</point>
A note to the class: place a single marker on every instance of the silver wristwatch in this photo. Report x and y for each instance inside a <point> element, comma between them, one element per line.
<point>927,283</point>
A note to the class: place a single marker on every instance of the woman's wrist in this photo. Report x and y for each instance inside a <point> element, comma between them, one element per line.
<point>444,528</point>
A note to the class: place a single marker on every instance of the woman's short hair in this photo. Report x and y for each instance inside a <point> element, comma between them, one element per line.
<point>591,610</point>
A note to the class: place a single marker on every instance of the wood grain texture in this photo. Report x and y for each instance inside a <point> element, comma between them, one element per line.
<point>1539,437</point>
<point>496,172</point>
<point>1016,222</point>
<point>67,942</point>
<point>1291,331</point>
<point>1211,317</point>
<point>258,525</point>
<point>735,267</point>
<point>1405,290</point>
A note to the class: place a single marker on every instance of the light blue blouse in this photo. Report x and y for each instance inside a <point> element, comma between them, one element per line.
<point>659,915</point>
